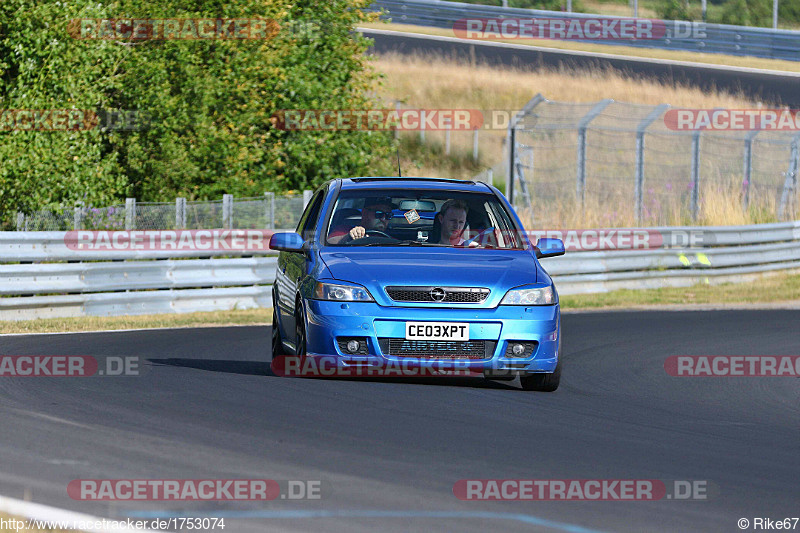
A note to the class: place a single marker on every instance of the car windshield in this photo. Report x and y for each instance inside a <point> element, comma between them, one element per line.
<point>383,217</point>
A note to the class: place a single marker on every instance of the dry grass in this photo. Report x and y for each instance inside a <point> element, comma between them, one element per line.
<point>652,53</point>
<point>450,83</point>
<point>456,83</point>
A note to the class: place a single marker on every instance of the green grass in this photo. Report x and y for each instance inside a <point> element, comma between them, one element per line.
<point>187,320</point>
<point>779,288</point>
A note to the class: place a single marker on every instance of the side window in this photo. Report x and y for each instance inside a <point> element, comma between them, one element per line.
<point>309,219</point>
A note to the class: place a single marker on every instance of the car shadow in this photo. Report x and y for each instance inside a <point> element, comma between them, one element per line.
<point>227,366</point>
<point>258,368</point>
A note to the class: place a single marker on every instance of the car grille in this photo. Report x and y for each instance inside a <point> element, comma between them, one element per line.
<point>453,294</point>
<point>478,349</point>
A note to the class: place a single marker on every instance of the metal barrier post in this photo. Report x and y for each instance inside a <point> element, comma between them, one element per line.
<point>580,185</point>
<point>20,221</point>
<point>475,145</point>
<point>641,129</point>
<point>227,211</point>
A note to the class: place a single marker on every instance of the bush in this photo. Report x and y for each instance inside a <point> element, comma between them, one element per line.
<point>210,103</point>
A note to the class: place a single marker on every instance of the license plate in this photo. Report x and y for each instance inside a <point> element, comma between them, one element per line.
<point>437,331</point>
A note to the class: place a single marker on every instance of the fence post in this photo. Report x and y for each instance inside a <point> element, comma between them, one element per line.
<point>748,166</point>
<point>397,130</point>
<point>641,130</point>
<point>130,213</point>
<point>306,198</point>
<point>512,155</point>
<point>580,185</point>
<point>523,187</point>
<point>790,183</point>
<point>422,126</point>
<point>20,221</point>
<point>695,175</point>
<point>448,127</point>
<point>475,145</point>
<point>490,176</point>
<point>227,211</point>
<point>180,213</point>
<point>77,217</point>
<point>512,142</point>
<point>269,211</point>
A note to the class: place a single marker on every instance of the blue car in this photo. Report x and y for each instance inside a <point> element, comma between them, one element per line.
<point>414,270</point>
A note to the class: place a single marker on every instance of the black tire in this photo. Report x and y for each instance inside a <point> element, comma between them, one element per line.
<point>300,332</point>
<point>544,381</point>
<point>277,341</point>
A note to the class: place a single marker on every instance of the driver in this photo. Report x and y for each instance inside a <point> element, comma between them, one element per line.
<point>376,215</point>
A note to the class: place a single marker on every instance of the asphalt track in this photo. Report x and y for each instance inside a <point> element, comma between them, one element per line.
<point>761,85</point>
<point>390,451</point>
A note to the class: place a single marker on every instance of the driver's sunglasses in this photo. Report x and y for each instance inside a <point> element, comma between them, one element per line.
<point>387,215</point>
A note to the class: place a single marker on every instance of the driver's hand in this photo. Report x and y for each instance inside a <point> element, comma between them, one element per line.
<point>474,244</point>
<point>357,232</point>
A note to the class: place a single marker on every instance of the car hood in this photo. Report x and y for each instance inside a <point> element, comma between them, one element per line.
<point>376,268</point>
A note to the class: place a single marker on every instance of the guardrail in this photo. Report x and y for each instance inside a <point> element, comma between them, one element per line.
<point>63,283</point>
<point>681,35</point>
<point>44,275</point>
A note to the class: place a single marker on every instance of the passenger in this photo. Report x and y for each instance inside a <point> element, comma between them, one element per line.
<point>453,218</point>
<point>376,215</point>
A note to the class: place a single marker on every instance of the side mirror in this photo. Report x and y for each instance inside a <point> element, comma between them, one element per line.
<point>549,248</point>
<point>286,242</point>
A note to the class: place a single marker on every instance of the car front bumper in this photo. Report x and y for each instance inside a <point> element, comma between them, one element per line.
<point>328,321</point>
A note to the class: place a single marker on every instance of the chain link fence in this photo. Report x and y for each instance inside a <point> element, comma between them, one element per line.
<point>615,164</point>
<point>270,211</point>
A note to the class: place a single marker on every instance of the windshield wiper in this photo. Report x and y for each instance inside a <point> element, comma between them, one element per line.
<point>403,243</point>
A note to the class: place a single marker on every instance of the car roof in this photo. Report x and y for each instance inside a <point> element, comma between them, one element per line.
<point>393,182</point>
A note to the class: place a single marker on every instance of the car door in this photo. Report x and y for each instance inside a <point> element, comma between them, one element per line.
<point>293,267</point>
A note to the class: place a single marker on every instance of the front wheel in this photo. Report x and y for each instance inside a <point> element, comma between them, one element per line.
<point>277,341</point>
<point>544,381</point>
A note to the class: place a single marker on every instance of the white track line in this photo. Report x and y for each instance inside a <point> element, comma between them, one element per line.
<point>37,511</point>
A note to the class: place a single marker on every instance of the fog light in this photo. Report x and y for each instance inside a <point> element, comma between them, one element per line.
<point>352,346</point>
<point>518,349</point>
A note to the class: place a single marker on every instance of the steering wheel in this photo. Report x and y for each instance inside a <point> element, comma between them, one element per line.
<point>376,232</point>
<point>478,236</point>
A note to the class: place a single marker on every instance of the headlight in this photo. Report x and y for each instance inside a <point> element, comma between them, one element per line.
<point>530,296</point>
<point>341,293</point>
